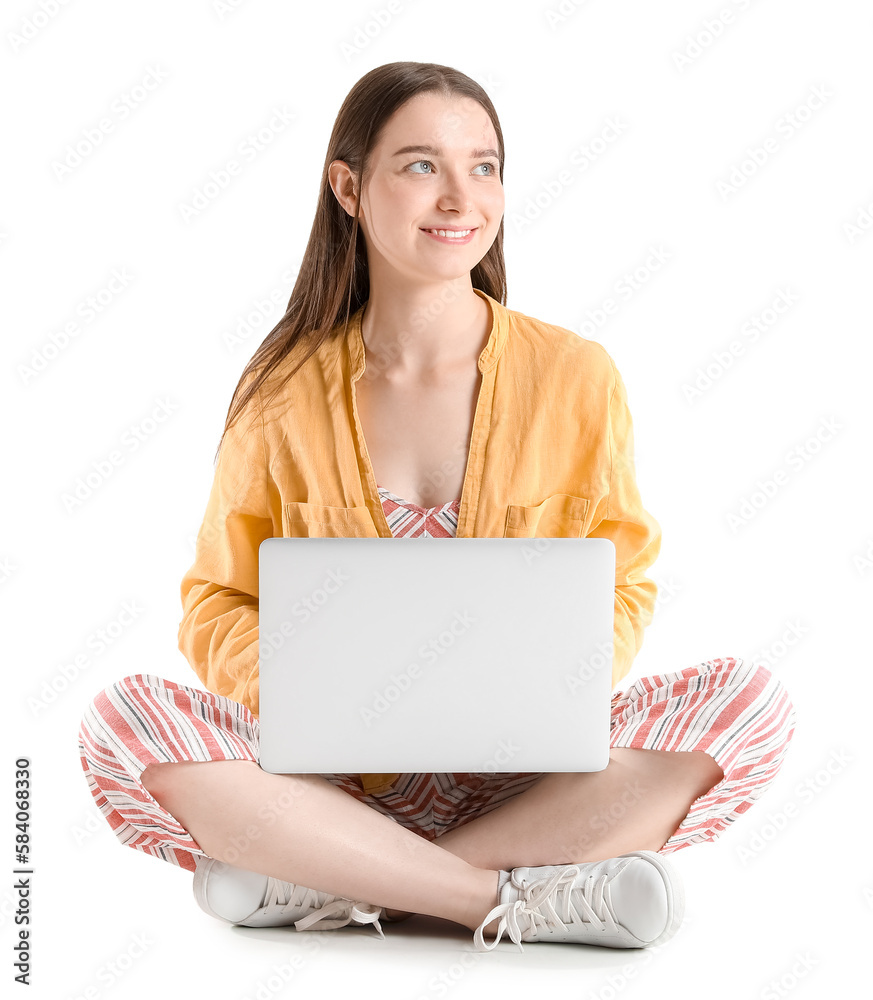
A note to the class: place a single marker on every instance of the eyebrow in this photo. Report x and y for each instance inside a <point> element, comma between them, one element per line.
<point>436,151</point>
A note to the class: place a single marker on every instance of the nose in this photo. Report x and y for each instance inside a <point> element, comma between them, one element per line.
<point>455,194</point>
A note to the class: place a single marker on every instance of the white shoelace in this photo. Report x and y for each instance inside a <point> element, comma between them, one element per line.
<point>588,903</point>
<point>330,911</point>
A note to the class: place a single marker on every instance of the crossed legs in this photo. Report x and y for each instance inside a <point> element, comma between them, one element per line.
<point>326,839</point>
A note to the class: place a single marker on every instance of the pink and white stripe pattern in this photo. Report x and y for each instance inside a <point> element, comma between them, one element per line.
<point>408,519</point>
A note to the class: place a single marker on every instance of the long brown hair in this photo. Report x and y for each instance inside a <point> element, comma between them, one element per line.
<point>334,280</point>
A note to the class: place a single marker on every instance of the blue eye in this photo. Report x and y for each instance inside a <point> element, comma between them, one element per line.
<point>488,163</point>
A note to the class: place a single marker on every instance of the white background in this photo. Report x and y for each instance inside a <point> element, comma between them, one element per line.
<point>784,900</point>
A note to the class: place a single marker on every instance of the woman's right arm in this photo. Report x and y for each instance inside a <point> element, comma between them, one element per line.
<point>219,629</point>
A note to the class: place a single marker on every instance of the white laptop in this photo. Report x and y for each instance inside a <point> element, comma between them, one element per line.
<point>435,654</point>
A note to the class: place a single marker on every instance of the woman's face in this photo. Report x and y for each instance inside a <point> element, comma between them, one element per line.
<point>455,184</point>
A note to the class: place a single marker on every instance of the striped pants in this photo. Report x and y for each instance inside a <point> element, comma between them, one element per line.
<point>736,711</point>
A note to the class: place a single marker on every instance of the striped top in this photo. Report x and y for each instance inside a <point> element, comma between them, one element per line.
<point>407,519</point>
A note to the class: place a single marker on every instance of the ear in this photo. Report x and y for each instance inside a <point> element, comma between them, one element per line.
<point>344,185</point>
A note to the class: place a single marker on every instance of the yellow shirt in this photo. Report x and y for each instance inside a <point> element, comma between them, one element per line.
<point>550,455</point>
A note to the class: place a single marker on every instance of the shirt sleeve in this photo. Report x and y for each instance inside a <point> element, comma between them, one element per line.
<point>218,632</point>
<point>635,534</point>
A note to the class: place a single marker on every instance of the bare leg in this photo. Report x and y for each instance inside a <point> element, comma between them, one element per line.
<point>634,804</point>
<point>300,828</point>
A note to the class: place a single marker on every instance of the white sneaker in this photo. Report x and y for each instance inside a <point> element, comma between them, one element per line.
<point>631,901</point>
<point>248,898</point>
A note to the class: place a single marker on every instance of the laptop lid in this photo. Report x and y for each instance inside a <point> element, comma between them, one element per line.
<point>435,654</point>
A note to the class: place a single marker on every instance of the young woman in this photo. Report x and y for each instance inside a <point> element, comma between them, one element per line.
<point>400,395</point>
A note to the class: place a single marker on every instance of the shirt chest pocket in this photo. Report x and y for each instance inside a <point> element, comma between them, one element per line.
<point>310,520</point>
<point>558,516</point>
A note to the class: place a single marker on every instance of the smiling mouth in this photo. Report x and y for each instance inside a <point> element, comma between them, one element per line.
<point>451,233</point>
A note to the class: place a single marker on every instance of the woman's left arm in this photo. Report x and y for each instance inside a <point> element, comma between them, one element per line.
<point>636,535</point>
